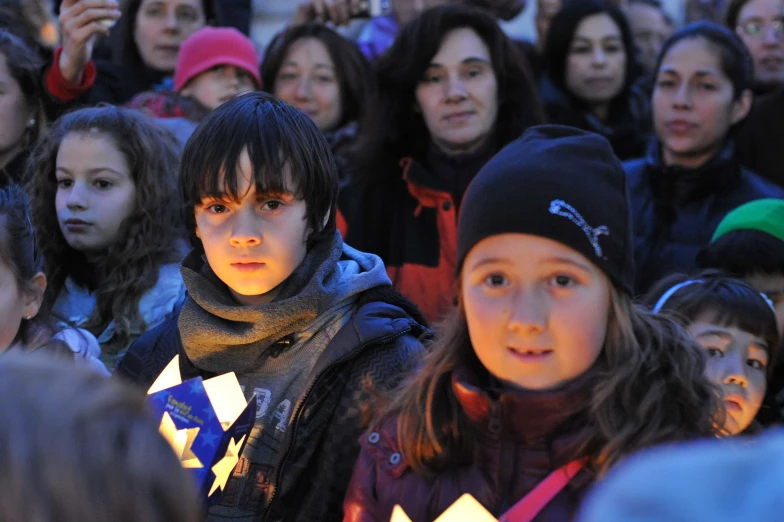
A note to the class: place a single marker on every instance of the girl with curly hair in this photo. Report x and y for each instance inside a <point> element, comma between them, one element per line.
<point>108,221</point>
<point>547,374</point>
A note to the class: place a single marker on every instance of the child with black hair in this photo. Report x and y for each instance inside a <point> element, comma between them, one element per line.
<point>308,324</point>
<point>736,326</point>
<point>749,244</point>
<point>107,216</point>
<point>23,326</point>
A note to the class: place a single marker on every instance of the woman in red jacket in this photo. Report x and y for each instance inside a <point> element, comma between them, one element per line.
<point>453,90</point>
<point>547,373</point>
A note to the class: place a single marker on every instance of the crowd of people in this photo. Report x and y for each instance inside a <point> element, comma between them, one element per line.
<point>443,260</point>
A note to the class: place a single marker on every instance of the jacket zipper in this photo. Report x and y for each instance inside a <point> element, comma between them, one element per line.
<point>305,398</point>
<point>507,458</point>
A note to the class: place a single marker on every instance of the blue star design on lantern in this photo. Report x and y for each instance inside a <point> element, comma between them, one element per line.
<point>210,439</point>
<point>208,413</point>
<point>161,397</point>
<point>196,386</point>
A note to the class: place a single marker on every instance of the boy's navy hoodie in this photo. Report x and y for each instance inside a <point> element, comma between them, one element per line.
<point>336,330</point>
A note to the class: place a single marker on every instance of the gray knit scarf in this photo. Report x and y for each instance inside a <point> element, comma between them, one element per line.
<point>220,335</point>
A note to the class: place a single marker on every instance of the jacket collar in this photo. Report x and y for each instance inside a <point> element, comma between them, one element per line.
<point>678,185</point>
<point>444,177</point>
<point>530,416</point>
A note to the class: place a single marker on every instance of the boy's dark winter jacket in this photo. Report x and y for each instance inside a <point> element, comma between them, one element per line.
<point>379,344</point>
<point>675,210</point>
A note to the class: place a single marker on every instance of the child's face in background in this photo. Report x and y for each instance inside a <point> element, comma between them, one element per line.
<point>95,191</point>
<point>307,80</point>
<point>537,310</point>
<point>737,363</point>
<point>255,244</point>
<point>218,85</point>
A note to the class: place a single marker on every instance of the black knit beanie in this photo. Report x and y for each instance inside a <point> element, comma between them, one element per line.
<point>560,183</point>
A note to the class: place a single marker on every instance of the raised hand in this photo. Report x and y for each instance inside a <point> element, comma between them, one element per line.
<point>82,22</point>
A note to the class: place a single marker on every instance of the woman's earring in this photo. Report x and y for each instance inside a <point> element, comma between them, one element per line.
<point>31,122</point>
<point>27,317</point>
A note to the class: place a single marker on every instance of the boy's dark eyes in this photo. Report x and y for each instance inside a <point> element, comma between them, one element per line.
<point>216,208</point>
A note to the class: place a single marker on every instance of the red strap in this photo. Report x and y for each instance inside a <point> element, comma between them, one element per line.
<point>534,502</point>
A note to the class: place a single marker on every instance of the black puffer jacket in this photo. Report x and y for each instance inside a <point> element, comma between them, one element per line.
<point>373,350</point>
<point>676,210</point>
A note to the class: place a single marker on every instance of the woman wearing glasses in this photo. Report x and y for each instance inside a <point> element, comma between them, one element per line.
<point>760,24</point>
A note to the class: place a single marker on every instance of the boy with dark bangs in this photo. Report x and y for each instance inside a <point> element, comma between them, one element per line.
<point>309,325</point>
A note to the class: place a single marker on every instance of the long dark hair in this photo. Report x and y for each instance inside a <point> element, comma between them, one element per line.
<point>394,130</point>
<point>354,73</point>
<point>559,41</point>
<point>149,238</point>
<point>125,52</point>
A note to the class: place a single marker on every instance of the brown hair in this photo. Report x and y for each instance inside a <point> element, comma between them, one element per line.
<point>649,389</point>
<point>77,446</point>
<point>149,238</point>
<point>25,66</point>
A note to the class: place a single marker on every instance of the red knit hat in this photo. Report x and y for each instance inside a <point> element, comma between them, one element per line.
<point>213,46</point>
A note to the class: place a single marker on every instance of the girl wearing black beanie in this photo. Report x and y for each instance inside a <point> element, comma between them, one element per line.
<point>546,374</point>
